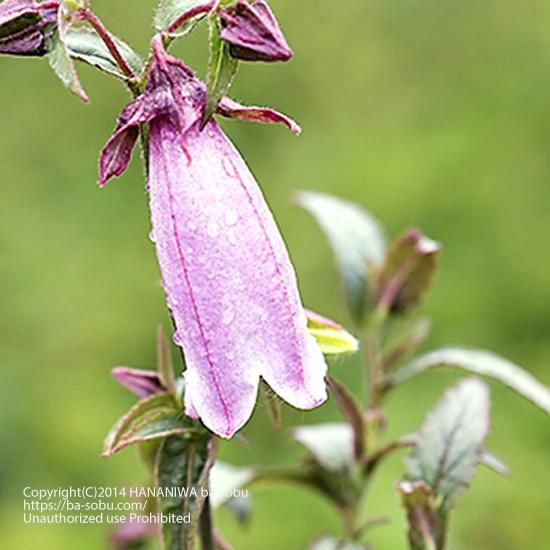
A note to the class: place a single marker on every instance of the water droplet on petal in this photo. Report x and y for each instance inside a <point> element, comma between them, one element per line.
<point>152,236</point>
<point>228,317</point>
<point>213,228</point>
<point>231,217</point>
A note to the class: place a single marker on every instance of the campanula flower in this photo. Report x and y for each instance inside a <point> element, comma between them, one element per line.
<point>228,280</point>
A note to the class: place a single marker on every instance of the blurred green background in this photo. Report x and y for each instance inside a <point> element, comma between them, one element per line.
<point>428,113</point>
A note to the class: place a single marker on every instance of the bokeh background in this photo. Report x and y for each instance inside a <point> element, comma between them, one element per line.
<point>428,113</point>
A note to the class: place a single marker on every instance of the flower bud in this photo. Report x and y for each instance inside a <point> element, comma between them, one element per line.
<point>253,33</point>
<point>24,27</point>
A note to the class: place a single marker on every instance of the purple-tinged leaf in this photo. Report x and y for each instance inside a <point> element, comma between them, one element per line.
<point>352,413</point>
<point>253,33</point>
<point>482,363</point>
<point>450,443</point>
<point>154,417</point>
<point>142,383</point>
<point>331,445</point>
<point>407,272</point>
<point>357,241</point>
<point>231,109</point>
<point>426,527</point>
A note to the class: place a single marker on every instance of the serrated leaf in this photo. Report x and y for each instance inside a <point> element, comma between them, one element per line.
<point>84,44</point>
<point>169,10</point>
<point>222,68</point>
<point>352,413</point>
<point>357,240</point>
<point>451,440</point>
<point>165,366</point>
<point>331,444</point>
<point>482,363</point>
<point>407,273</point>
<point>155,417</point>
<point>332,338</point>
<point>183,463</point>
<point>63,66</point>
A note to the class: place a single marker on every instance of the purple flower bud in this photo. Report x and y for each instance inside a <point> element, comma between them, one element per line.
<point>253,33</point>
<point>226,273</point>
<point>142,383</point>
<point>25,25</point>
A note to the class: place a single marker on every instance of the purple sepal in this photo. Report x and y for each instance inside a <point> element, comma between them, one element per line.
<point>142,383</point>
<point>131,533</point>
<point>253,33</point>
<point>24,25</point>
<point>175,93</point>
<point>231,109</point>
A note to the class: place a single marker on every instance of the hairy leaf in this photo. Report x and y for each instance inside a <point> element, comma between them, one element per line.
<point>183,463</point>
<point>155,417</point>
<point>482,363</point>
<point>357,240</point>
<point>84,44</point>
<point>330,444</point>
<point>450,442</point>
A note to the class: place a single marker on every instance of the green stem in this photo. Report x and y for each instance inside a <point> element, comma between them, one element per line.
<point>206,530</point>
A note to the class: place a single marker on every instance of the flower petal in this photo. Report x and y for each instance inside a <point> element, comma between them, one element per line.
<point>228,280</point>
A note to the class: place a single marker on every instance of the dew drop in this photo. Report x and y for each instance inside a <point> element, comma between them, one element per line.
<point>213,228</point>
<point>231,217</point>
<point>228,317</point>
<point>152,236</point>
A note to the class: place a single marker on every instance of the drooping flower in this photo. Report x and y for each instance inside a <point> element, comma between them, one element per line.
<point>228,280</point>
<point>25,25</point>
<point>253,33</point>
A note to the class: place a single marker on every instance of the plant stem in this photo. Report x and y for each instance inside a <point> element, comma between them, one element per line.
<point>206,531</point>
<point>98,26</point>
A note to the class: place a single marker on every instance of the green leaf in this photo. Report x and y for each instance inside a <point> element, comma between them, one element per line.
<point>482,363</point>
<point>184,464</point>
<point>331,444</point>
<point>352,413</point>
<point>221,69</point>
<point>169,10</point>
<point>155,417</point>
<point>357,240</point>
<point>165,365</point>
<point>329,543</point>
<point>407,273</point>
<point>63,66</point>
<point>450,442</point>
<point>84,44</point>
<point>332,338</point>
<point>225,480</point>
<point>494,463</point>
